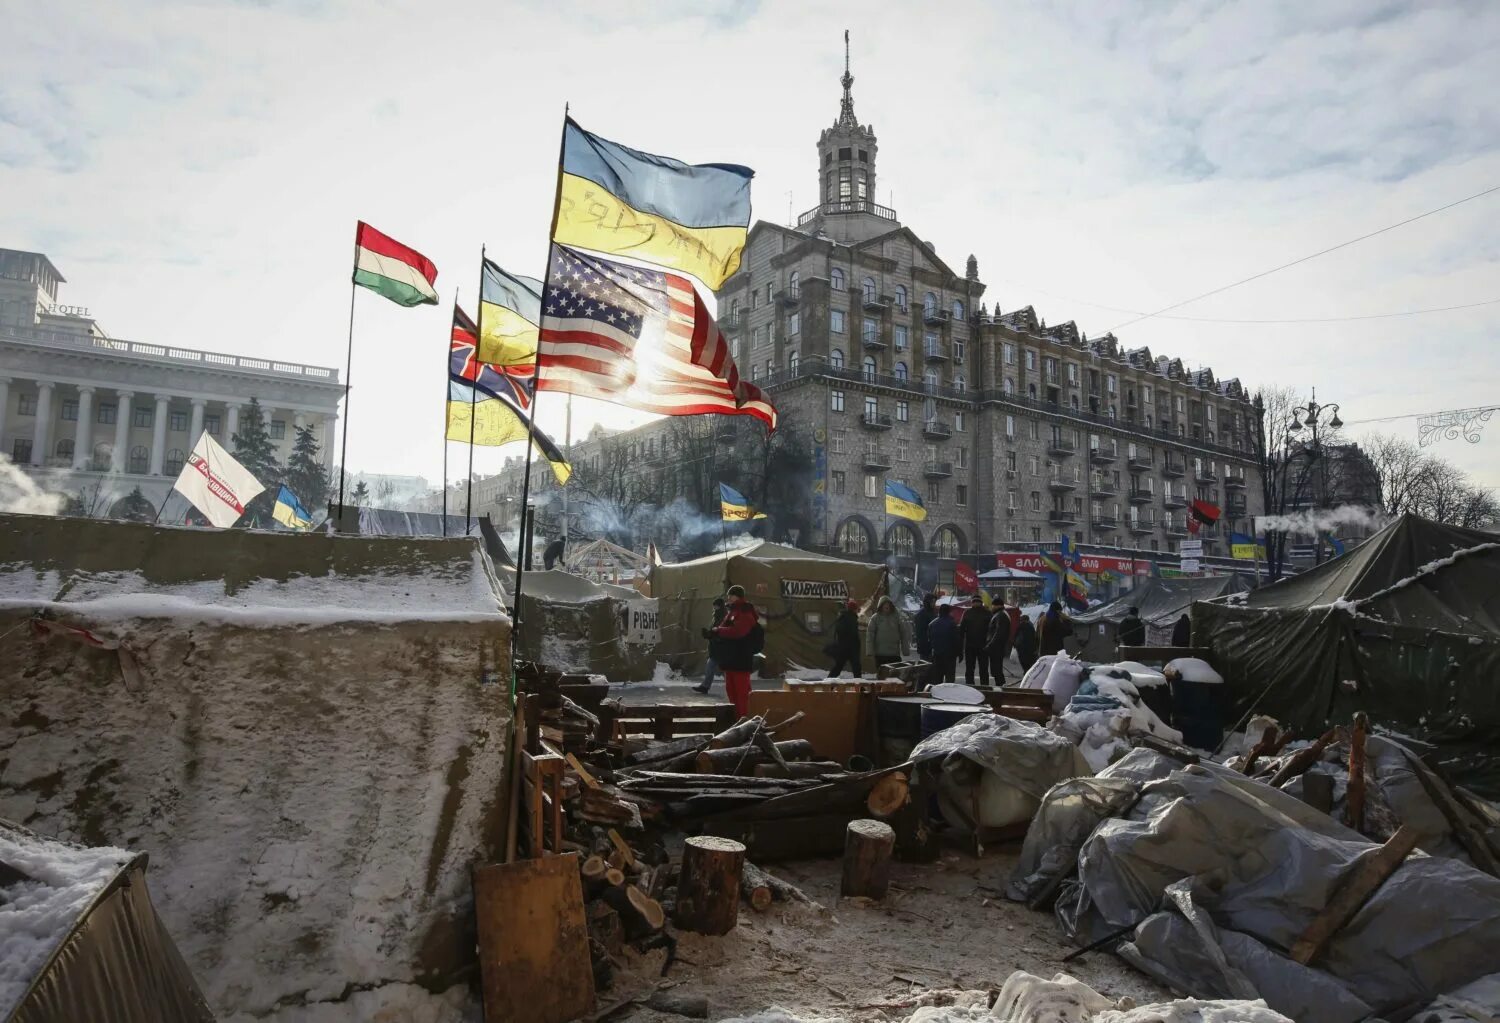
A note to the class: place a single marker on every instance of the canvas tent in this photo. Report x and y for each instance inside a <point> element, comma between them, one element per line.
<point>569,623</point>
<point>1161,603</point>
<point>1411,618</point>
<point>797,592</point>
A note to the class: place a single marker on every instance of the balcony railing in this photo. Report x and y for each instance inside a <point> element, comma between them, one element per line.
<point>1140,462</point>
<point>1142,526</point>
<point>1101,455</point>
<point>1104,521</point>
<point>937,470</point>
<point>877,420</point>
<point>1104,488</point>
<point>1205,475</point>
<point>935,352</point>
<point>876,303</point>
<point>1174,501</point>
<point>877,459</point>
<point>1234,481</point>
<point>1175,528</point>
<point>1062,517</point>
<point>934,316</point>
<point>873,341</point>
<point>1061,446</point>
<point>1141,496</point>
<point>937,428</point>
<point>790,298</point>
<point>1061,484</point>
<point>848,206</point>
<point>1172,468</point>
<point>168,354</point>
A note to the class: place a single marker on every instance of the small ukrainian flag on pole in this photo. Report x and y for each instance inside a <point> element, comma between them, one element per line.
<point>289,511</point>
<point>733,505</point>
<point>903,501</point>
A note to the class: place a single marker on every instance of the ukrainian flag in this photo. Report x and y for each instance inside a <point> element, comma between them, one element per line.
<point>618,200</point>
<point>903,501</point>
<point>1244,547</point>
<point>510,307</point>
<point>289,511</point>
<point>733,505</point>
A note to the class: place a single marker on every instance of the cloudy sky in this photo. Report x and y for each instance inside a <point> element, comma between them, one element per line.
<point>196,169</point>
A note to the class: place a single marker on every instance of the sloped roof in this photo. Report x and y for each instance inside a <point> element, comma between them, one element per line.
<point>763,550</point>
<point>1163,600</point>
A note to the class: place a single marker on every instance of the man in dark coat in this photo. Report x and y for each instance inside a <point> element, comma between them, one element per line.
<point>1182,632</point>
<point>997,643</point>
<point>1054,629</point>
<point>974,627</point>
<point>923,619</point>
<point>737,648</point>
<point>1026,644</point>
<point>846,640</point>
<point>944,643</point>
<point>1131,631</point>
<point>720,610</point>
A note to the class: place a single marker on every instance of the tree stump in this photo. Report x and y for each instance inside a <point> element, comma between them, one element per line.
<point>708,892</point>
<point>867,858</point>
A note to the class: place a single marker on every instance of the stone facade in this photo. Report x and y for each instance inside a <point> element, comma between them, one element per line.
<point>88,413</point>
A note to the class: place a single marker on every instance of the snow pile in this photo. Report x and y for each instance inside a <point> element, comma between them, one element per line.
<point>1192,669</point>
<point>1103,714</point>
<point>59,882</point>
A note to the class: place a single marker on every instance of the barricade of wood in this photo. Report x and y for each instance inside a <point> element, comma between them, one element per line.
<point>663,722</point>
<point>884,687</point>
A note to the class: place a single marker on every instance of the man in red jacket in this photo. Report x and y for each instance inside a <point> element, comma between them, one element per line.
<point>737,648</point>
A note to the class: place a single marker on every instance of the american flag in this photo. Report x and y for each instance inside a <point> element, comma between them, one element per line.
<point>506,382</point>
<point>639,337</point>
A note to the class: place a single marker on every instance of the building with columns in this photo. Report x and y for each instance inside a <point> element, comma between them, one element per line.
<point>92,416</point>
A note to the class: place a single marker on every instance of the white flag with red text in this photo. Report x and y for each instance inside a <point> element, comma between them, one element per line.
<point>217,485</point>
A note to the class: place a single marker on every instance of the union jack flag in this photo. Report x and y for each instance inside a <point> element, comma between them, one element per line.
<point>512,383</point>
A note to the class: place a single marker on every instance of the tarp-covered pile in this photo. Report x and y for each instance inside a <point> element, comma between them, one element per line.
<point>1160,602</point>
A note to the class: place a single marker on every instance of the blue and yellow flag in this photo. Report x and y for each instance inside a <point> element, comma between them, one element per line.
<point>734,506</point>
<point>510,307</point>
<point>903,501</point>
<point>614,199</point>
<point>289,511</point>
<point>1244,547</point>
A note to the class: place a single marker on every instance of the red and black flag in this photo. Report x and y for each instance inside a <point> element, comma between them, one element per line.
<point>1202,512</point>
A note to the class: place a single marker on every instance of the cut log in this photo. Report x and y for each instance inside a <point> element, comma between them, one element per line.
<point>605,927</point>
<point>1354,805</point>
<point>593,870</point>
<point>1303,759</point>
<point>762,740</point>
<point>738,735</point>
<point>758,895</point>
<point>781,891</point>
<point>888,796</point>
<point>740,759</point>
<point>801,769</point>
<point>867,858</point>
<point>666,750</point>
<point>640,914</point>
<point>708,892</point>
<point>614,877</point>
<point>677,1003</point>
<point>1358,885</point>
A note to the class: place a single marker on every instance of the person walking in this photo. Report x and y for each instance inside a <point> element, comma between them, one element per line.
<point>1131,631</point>
<point>885,636</point>
<point>846,640</point>
<point>1054,629</point>
<point>997,643</point>
<point>740,637</point>
<point>1025,644</point>
<point>944,643</point>
<point>974,627</point>
<point>1182,632</point>
<point>924,618</point>
<point>712,666</point>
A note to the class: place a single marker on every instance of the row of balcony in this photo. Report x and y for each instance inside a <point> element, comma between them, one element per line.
<point>1139,527</point>
<point>876,460</point>
<point>934,428</point>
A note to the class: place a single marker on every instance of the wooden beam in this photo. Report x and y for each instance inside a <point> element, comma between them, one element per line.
<point>582,772</point>
<point>1362,881</point>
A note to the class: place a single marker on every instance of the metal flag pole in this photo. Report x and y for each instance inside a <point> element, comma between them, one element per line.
<point>348,366</point>
<point>447,392</point>
<point>474,391</point>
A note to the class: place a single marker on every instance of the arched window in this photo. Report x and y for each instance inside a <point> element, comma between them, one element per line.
<point>794,284</point>
<point>958,382</point>
<point>1031,393</point>
<point>902,541</point>
<point>901,297</point>
<point>929,303</point>
<point>64,448</point>
<point>869,367</point>
<point>734,309</point>
<point>1009,385</point>
<point>173,465</point>
<point>869,289</point>
<point>139,459</point>
<point>947,543</point>
<point>900,371</point>
<point>836,358</point>
<point>792,360</point>
<point>836,279</point>
<point>958,309</point>
<point>931,377</point>
<point>854,538</point>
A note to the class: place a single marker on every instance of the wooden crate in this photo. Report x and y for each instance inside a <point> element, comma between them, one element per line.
<point>885,687</point>
<point>1018,703</point>
<point>663,721</point>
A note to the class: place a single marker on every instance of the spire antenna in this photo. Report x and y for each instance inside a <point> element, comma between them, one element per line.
<point>846,111</point>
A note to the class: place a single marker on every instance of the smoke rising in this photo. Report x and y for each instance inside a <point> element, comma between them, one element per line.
<point>20,494</point>
<point>1312,522</point>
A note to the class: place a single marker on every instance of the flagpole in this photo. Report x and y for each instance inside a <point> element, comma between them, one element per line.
<point>536,369</point>
<point>447,392</point>
<point>348,367</point>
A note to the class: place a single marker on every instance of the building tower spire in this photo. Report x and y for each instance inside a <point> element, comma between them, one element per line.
<point>846,110</point>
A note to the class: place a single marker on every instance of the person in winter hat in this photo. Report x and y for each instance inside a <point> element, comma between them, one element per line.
<point>845,646</point>
<point>974,627</point>
<point>944,642</point>
<point>738,647</point>
<point>1131,631</point>
<point>1055,627</point>
<point>720,610</point>
<point>885,636</point>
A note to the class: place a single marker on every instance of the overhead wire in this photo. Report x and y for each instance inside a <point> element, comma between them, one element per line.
<point>1285,320</point>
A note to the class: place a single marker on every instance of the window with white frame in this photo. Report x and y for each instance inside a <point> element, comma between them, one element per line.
<point>794,324</point>
<point>958,309</point>
<point>903,412</point>
<point>1031,360</point>
<point>868,287</point>
<point>837,441</point>
<point>836,401</point>
<point>868,368</point>
<point>1008,386</point>
<point>958,422</point>
<point>836,358</point>
<point>836,279</point>
<point>872,407</point>
<point>794,284</point>
<point>1010,426</point>
<point>870,331</point>
<point>929,303</point>
<point>836,320</point>
<point>901,371</point>
<point>901,337</point>
<point>958,350</point>
<point>901,297</point>
<point>872,485</point>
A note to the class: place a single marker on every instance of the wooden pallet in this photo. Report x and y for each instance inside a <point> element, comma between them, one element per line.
<point>885,687</point>
<point>663,721</point>
<point>1020,704</point>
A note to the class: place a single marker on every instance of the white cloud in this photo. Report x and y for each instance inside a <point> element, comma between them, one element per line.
<point>196,169</point>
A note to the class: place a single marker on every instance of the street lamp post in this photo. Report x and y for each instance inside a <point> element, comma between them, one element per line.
<point>1312,415</point>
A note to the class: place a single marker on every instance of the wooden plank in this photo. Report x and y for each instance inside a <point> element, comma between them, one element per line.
<point>533,941</point>
<point>1459,817</point>
<point>623,846</point>
<point>1356,888</point>
<point>582,772</point>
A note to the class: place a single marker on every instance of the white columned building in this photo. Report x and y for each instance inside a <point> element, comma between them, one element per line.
<point>93,416</point>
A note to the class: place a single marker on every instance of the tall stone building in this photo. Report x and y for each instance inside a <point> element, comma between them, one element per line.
<point>888,364</point>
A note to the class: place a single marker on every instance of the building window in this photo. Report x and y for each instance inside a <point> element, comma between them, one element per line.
<point>836,441</point>
<point>278,429</point>
<point>929,303</point>
<point>794,284</point>
<point>872,484</point>
<point>794,324</point>
<point>1031,360</point>
<point>836,279</point>
<point>931,378</point>
<point>961,458</point>
<point>903,412</point>
<point>1008,386</point>
<point>1146,394</point>
<point>901,372</point>
<point>792,359</point>
<point>20,451</point>
<point>143,415</point>
<point>173,464</point>
<point>872,406</point>
<point>106,414</point>
<point>961,495</point>
<point>770,292</point>
<point>69,410</point>
<point>934,492</point>
<point>177,421</point>
<point>958,352</point>
<point>868,368</point>
<point>901,297</point>
<point>868,287</point>
<point>139,457</point>
<point>836,401</point>
<point>1111,382</point>
<point>853,538</point>
<point>901,337</point>
<point>838,482</point>
<point>958,422</point>
<point>1010,427</point>
<point>958,382</point>
<point>903,542</point>
<point>836,358</point>
<point>27,408</point>
<point>1034,465</point>
<point>1073,373</point>
<point>836,320</point>
<point>870,331</point>
<point>211,425</point>
<point>64,448</point>
<point>754,372</point>
<point>946,543</point>
<point>958,309</point>
<point>903,449</point>
<point>1036,500</point>
<point>1008,350</point>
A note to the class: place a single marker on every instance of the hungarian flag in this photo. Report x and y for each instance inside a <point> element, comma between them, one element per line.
<point>217,485</point>
<point>388,268</point>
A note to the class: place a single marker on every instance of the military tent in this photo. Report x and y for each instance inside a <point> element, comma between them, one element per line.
<point>1405,627</point>
<point>569,623</point>
<point>797,592</point>
<point>1161,603</point>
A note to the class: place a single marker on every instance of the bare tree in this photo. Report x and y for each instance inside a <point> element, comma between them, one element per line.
<point>1403,472</point>
<point>1286,466</point>
<point>1479,509</point>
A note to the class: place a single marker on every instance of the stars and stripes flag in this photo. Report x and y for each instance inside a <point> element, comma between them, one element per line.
<point>639,337</point>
